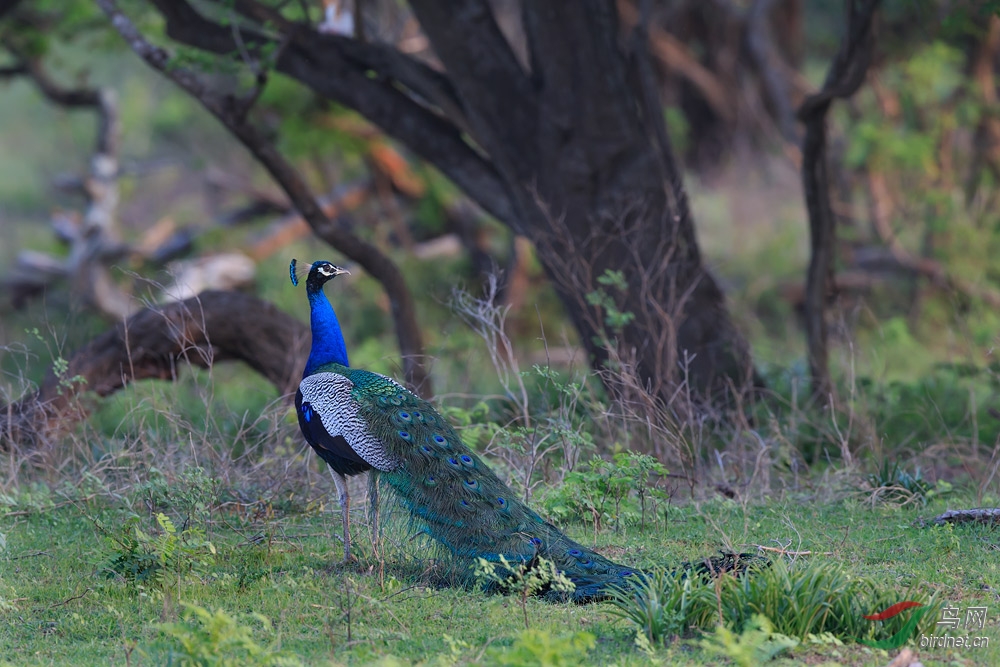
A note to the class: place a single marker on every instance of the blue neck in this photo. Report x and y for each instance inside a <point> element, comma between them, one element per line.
<point>327,339</point>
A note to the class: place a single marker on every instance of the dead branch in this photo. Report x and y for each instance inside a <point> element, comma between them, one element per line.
<point>292,227</point>
<point>987,515</point>
<point>845,75</point>
<point>156,343</point>
<point>903,259</point>
<point>220,180</point>
<point>987,137</point>
<point>233,113</point>
<point>760,45</point>
<point>94,240</point>
<point>675,56</point>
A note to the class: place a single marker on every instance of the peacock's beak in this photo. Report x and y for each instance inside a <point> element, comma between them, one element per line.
<point>338,270</point>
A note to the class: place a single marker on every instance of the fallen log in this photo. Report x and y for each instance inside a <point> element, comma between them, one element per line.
<point>155,343</point>
<point>987,515</point>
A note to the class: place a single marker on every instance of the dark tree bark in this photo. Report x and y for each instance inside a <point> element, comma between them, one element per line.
<point>569,152</point>
<point>845,75</point>
<point>154,344</point>
<point>7,6</point>
<point>580,146</point>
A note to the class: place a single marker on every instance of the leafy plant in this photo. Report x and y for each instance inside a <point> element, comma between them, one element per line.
<point>215,638</point>
<point>191,493</point>
<point>606,491</point>
<point>614,317</point>
<point>537,648</point>
<point>142,558</point>
<point>757,643</point>
<point>523,579</point>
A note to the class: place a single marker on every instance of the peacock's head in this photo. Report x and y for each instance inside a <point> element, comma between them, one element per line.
<point>318,274</point>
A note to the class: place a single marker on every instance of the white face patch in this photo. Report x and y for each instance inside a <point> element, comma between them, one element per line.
<point>326,270</point>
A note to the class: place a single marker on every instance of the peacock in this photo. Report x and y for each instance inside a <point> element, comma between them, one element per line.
<point>359,421</point>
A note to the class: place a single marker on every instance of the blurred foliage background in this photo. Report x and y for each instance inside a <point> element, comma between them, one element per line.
<point>916,165</point>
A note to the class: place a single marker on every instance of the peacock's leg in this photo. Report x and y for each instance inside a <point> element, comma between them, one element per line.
<point>345,511</point>
<point>373,501</point>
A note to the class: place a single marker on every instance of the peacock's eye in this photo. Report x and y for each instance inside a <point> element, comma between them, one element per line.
<point>575,552</point>
<point>501,502</point>
<point>405,435</point>
<point>466,459</point>
<point>451,460</point>
<point>471,483</point>
<point>536,541</point>
<point>439,439</point>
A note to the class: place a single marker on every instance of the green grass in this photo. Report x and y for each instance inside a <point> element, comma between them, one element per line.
<point>60,605</point>
<point>274,589</point>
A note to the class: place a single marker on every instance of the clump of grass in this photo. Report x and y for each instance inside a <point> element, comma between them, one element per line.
<point>893,484</point>
<point>663,605</point>
<point>813,599</point>
<point>804,600</point>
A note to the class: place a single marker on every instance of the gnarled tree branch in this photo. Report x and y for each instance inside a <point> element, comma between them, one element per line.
<point>154,344</point>
<point>95,240</point>
<point>338,68</point>
<point>845,75</point>
<point>233,115</point>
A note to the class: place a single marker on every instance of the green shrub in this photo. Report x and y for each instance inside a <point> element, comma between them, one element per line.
<point>206,638</point>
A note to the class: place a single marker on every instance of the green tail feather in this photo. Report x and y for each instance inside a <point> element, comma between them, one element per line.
<point>462,503</point>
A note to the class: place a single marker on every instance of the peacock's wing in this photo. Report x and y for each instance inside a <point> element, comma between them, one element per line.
<point>333,449</point>
<point>330,420</point>
<point>462,503</point>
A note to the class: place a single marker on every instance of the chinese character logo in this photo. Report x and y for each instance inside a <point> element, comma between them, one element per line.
<point>908,629</point>
<point>951,618</point>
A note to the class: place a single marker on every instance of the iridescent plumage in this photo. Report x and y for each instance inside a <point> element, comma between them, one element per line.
<point>357,421</point>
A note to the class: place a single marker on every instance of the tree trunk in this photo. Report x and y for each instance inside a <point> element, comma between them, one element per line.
<point>567,149</point>
<point>844,77</point>
<point>597,190</point>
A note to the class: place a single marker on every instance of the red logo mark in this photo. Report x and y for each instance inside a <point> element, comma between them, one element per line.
<point>893,610</point>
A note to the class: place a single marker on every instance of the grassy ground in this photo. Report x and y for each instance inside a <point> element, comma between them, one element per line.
<point>61,603</point>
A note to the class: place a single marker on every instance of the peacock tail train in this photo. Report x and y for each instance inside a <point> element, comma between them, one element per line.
<point>459,500</point>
